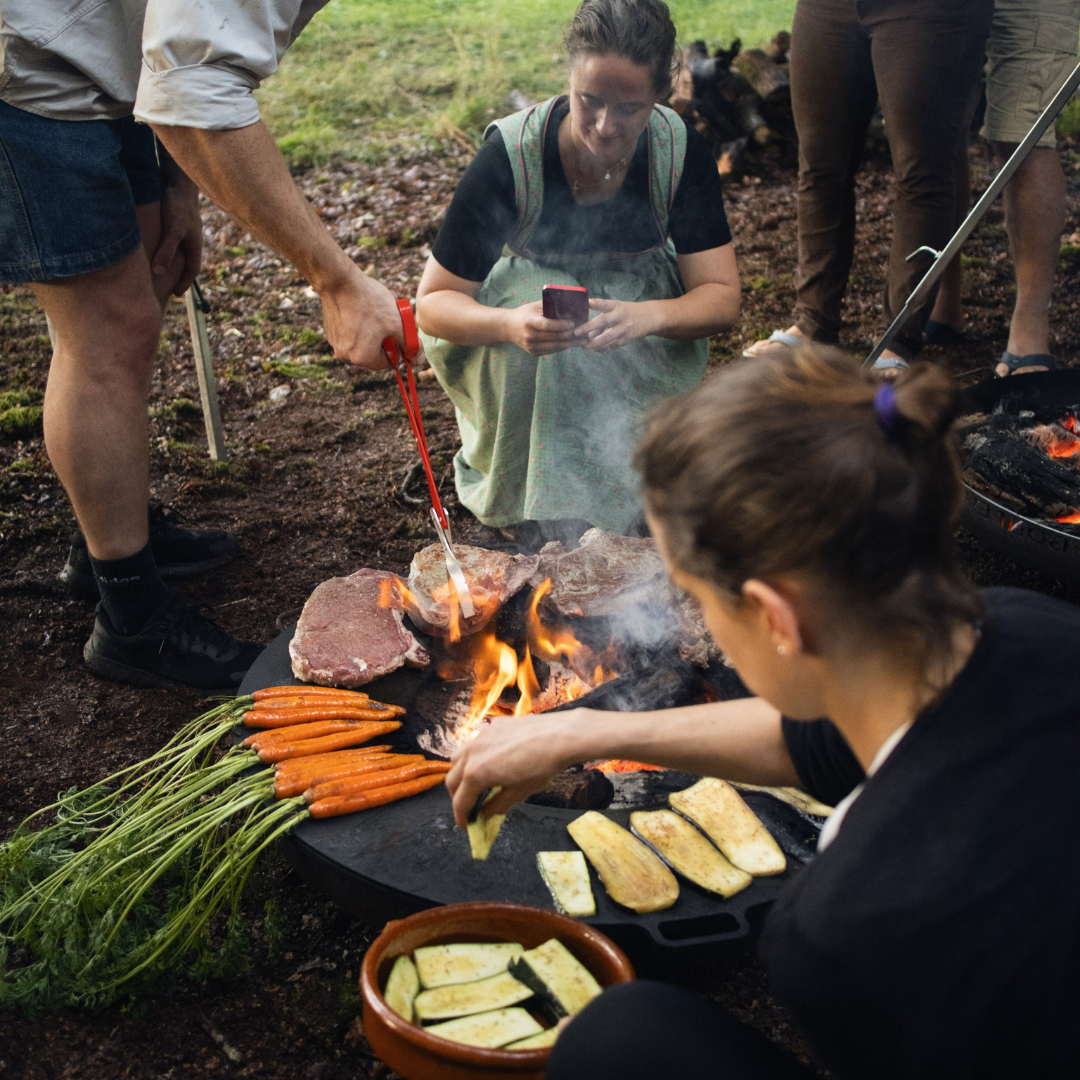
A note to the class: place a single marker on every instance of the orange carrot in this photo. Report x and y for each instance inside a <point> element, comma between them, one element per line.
<point>364,800</point>
<point>288,785</point>
<point>308,747</point>
<point>296,732</point>
<point>313,701</point>
<point>351,785</point>
<point>304,690</point>
<point>289,717</point>
<point>318,761</point>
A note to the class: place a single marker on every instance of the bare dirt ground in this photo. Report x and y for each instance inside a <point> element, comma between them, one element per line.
<point>316,453</point>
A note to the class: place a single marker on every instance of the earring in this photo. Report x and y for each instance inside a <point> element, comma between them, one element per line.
<point>781,649</point>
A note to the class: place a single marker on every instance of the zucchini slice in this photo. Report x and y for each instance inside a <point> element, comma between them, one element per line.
<point>536,1042</point>
<point>688,852</point>
<point>490,1029</point>
<point>567,878</point>
<point>633,875</point>
<point>560,980</point>
<point>793,796</point>
<point>442,965</point>
<point>463,999</point>
<point>402,987</point>
<point>483,827</point>
<point>718,810</point>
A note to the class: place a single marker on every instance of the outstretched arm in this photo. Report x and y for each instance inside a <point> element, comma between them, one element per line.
<point>735,740</point>
<point>243,172</point>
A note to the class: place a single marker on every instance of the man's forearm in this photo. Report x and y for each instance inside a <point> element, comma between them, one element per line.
<point>243,172</point>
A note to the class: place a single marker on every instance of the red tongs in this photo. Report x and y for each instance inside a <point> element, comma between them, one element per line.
<point>401,363</point>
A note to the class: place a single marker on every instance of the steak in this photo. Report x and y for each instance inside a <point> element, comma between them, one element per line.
<point>345,637</point>
<point>492,576</point>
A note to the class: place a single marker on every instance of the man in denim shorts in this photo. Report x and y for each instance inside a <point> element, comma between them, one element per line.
<point>1032,49</point>
<point>101,219</point>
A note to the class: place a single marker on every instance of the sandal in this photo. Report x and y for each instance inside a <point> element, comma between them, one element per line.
<point>939,333</point>
<point>892,365</point>
<point>781,337</point>
<point>1014,362</point>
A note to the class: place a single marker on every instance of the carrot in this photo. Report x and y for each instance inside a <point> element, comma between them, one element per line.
<point>364,800</point>
<point>287,717</point>
<point>351,785</point>
<point>313,701</point>
<point>258,739</point>
<point>303,690</point>
<point>308,747</point>
<point>318,761</point>
<point>289,785</point>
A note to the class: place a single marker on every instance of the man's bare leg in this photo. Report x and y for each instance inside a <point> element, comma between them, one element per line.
<point>1034,220</point>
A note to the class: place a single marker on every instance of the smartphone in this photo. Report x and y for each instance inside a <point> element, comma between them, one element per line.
<point>566,302</point>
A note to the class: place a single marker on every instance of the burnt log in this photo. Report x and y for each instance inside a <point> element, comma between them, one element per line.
<point>671,683</point>
<point>576,788</point>
<point>770,80</point>
<point>777,49</point>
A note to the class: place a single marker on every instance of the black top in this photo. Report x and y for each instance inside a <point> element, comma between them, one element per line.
<point>938,936</point>
<point>483,213</point>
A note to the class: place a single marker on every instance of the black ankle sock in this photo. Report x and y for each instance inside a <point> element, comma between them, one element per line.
<point>131,589</point>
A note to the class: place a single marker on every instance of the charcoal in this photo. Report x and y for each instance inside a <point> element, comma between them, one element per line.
<point>672,684</point>
<point>576,788</point>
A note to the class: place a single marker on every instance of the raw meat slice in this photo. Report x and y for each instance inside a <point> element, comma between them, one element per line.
<point>493,577</point>
<point>345,637</point>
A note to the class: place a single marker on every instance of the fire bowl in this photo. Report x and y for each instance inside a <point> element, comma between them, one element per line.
<point>417,1055</point>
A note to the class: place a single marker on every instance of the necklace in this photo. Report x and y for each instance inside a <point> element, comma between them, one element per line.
<point>576,186</point>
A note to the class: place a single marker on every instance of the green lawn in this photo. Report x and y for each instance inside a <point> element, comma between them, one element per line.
<point>372,76</point>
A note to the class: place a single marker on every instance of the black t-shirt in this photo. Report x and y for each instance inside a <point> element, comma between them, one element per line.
<point>938,936</point>
<point>483,213</point>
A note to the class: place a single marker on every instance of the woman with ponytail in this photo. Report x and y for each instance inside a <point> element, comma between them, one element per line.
<point>811,511</point>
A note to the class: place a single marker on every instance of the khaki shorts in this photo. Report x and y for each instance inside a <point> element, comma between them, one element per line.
<point>1032,48</point>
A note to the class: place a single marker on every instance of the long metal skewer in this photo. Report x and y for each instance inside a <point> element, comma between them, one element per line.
<point>948,253</point>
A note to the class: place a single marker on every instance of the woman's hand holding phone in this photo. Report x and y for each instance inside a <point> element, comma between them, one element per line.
<point>618,323</point>
<point>527,328</point>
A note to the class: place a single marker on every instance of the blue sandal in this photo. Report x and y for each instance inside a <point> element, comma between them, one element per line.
<point>781,337</point>
<point>1013,362</point>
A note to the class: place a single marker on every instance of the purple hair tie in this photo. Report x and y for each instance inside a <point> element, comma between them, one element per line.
<point>886,411</point>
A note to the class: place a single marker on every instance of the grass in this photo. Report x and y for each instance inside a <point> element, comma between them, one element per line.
<point>369,78</point>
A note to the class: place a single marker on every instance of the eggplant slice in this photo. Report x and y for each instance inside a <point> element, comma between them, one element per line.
<point>490,1029</point>
<point>444,965</point>
<point>484,827</point>
<point>793,796</point>
<point>561,981</point>
<point>536,1042</point>
<point>633,875</point>
<point>718,810</point>
<point>566,875</point>
<point>464,999</point>
<point>402,987</point>
<point>688,852</point>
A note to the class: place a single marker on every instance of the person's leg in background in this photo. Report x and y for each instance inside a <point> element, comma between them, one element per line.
<point>1032,50</point>
<point>650,1031</point>
<point>832,97</point>
<point>927,55</point>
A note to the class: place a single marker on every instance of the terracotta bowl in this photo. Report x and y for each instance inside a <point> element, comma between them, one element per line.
<point>416,1055</point>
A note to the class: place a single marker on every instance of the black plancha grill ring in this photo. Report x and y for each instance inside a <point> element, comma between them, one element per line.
<point>394,860</point>
<point>1039,544</point>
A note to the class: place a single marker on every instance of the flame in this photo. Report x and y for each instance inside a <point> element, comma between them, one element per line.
<point>1072,518</point>
<point>1069,424</point>
<point>619,765</point>
<point>550,644</point>
<point>527,684</point>
<point>1054,443</point>
<point>495,667</point>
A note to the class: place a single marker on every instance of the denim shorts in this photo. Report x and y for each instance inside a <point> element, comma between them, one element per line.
<point>68,192</point>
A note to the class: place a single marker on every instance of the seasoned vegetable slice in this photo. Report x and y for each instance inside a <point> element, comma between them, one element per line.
<point>567,878</point>
<point>402,987</point>
<point>687,852</point>
<point>793,796</point>
<point>463,999</point>
<point>489,1029</point>
<point>561,981</point>
<point>441,965</point>
<point>484,827</point>
<point>536,1042</point>
<point>718,810</point>
<point>633,875</point>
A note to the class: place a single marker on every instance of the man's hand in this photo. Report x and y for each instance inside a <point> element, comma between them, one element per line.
<point>619,323</point>
<point>358,314</point>
<point>521,754</point>
<point>178,257</point>
<point>527,328</point>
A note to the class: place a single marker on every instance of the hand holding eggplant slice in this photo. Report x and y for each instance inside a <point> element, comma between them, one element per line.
<point>484,827</point>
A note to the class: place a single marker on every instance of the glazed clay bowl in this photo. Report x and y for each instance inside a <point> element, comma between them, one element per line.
<point>416,1055</point>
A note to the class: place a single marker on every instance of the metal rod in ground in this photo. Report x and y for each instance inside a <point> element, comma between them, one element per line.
<point>204,369</point>
<point>952,248</point>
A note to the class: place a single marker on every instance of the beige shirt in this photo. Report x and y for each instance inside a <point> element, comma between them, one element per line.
<point>192,63</point>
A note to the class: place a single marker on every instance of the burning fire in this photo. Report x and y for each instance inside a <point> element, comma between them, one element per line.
<point>1060,440</point>
<point>620,765</point>
<point>1072,518</point>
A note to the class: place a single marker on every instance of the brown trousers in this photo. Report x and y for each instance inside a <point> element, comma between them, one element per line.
<point>920,58</point>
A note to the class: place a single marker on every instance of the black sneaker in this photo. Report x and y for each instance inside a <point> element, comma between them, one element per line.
<point>177,647</point>
<point>178,552</point>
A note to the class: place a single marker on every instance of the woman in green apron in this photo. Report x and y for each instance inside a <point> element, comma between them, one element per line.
<point>601,188</point>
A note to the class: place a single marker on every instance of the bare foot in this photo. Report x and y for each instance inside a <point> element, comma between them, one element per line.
<point>769,345</point>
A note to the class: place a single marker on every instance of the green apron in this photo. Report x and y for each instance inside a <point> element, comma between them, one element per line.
<point>554,437</point>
